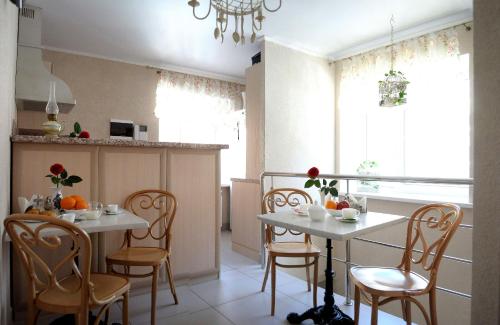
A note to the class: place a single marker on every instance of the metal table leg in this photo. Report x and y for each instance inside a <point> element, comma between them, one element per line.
<point>347,301</point>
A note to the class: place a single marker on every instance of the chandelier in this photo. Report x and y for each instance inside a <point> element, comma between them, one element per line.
<point>238,10</point>
<point>392,89</point>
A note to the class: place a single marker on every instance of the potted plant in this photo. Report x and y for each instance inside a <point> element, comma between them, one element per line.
<point>59,177</point>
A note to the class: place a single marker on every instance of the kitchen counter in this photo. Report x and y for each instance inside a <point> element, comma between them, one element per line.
<point>114,142</point>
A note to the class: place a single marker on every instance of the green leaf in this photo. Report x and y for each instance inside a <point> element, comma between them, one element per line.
<point>49,175</point>
<point>74,179</point>
<point>324,181</point>
<point>72,135</point>
<point>77,128</point>
<point>64,174</point>
<point>66,183</point>
<point>334,192</point>
<point>309,183</point>
<point>333,183</point>
<point>317,183</point>
<point>54,180</point>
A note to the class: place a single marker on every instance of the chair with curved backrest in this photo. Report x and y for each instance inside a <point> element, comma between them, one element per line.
<point>48,289</point>
<point>288,197</point>
<point>401,283</point>
<point>158,202</point>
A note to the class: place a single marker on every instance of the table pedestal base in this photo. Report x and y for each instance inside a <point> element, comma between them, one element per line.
<point>329,313</point>
<point>319,316</point>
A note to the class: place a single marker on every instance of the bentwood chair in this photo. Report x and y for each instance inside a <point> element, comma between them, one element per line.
<point>429,231</point>
<point>154,203</point>
<point>48,289</point>
<point>288,197</point>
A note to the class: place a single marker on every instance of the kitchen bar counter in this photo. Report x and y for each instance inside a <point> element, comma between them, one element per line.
<point>114,142</point>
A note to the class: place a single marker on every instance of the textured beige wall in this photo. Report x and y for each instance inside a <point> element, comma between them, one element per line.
<point>8,54</point>
<point>299,111</point>
<point>103,90</point>
<point>486,250</point>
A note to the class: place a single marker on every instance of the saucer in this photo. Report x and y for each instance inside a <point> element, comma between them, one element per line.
<point>354,220</point>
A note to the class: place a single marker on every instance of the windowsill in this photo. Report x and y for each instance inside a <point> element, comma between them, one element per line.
<point>411,199</point>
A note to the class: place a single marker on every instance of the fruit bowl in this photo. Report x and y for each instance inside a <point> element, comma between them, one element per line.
<point>334,212</point>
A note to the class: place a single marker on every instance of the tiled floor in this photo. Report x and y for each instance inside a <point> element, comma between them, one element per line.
<point>235,298</point>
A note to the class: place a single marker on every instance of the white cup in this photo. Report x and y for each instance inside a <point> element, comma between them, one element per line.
<point>350,213</point>
<point>112,208</point>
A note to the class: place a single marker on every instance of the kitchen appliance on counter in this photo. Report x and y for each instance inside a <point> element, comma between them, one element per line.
<point>121,129</point>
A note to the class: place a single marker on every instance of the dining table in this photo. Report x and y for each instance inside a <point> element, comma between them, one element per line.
<point>330,228</point>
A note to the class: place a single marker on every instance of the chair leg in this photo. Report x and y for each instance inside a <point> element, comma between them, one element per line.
<point>82,318</point>
<point>357,301</point>
<point>432,306</point>
<point>408,312</point>
<point>31,314</point>
<point>315,283</point>
<point>308,276</point>
<point>267,273</point>
<point>106,316</point>
<point>374,310</point>
<point>125,309</point>
<point>273,284</point>
<point>171,281</point>
<point>403,309</point>
<point>153,295</point>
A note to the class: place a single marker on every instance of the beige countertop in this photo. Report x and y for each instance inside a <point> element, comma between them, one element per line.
<point>114,142</point>
<point>245,180</point>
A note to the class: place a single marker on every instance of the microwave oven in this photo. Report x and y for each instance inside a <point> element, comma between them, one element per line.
<point>121,129</point>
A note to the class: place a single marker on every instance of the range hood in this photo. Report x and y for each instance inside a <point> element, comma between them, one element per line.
<point>33,77</point>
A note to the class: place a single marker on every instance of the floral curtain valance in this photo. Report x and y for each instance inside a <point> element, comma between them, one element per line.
<point>214,88</point>
<point>442,44</point>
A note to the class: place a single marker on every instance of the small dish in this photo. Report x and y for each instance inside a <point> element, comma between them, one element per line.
<point>354,220</point>
<point>112,213</point>
<point>334,213</point>
<point>300,212</point>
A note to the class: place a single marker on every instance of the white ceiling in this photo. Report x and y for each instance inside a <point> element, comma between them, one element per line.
<point>164,33</point>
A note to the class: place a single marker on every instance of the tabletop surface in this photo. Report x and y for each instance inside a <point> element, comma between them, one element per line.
<point>330,227</point>
<point>121,221</point>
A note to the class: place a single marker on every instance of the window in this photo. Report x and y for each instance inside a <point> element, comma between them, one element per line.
<point>427,137</point>
<point>193,109</point>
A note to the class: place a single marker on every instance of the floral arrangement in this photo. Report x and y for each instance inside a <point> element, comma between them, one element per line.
<point>323,185</point>
<point>78,132</point>
<point>59,176</point>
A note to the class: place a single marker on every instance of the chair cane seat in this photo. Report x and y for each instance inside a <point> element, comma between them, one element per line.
<point>388,281</point>
<point>106,286</point>
<point>292,248</point>
<point>138,256</point>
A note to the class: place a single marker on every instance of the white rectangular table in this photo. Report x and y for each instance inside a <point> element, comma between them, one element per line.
<point>330,229</point>
<point>97,229</point>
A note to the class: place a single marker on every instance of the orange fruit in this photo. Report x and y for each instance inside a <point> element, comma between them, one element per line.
<point>78,198</point>
<point>68,203</point>
<point>330,204</point>
<point>82,204</point>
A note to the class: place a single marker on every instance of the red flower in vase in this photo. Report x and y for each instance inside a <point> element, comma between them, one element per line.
<point>313,172</point>
<point>56,169</point>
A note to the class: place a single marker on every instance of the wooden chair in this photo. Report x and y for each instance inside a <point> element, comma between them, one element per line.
<point>47,290</point>
<point>290,197</point>
<point>401,283</point>
<point>165,204</point>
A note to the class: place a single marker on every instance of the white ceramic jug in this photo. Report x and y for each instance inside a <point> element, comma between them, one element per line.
<point>316,212</point>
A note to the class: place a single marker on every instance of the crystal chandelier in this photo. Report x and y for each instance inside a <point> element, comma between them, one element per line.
<point>392,89</point>
<point>238,9</point>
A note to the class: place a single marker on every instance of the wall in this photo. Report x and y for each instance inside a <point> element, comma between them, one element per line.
<point>8,53</point>
<point>299,114</point>
<point>486,268</point>
<point>103,90</point>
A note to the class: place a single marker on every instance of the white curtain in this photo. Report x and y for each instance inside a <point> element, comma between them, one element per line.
<point>427,137</point>
<point>193,109</point>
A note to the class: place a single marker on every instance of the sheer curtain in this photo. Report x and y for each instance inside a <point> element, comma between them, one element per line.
<point>427,137</point>
<point>193,109</point>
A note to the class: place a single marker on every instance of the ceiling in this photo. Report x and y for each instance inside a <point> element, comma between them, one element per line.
<point>164,33</point>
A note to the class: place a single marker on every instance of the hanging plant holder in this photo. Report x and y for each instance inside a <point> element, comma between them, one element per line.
<point>392,90</point>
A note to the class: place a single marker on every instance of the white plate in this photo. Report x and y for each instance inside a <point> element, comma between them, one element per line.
<point>354,220</point>
<point>299,212</point>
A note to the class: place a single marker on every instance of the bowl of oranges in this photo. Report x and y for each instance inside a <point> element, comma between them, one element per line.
<point>74,203</point>
<point>335,208</point>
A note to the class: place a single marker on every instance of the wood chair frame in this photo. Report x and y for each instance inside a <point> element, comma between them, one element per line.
<point>166,204</point>
<point>291,197</point>
<point>449,217</point>
<point>44,280</point>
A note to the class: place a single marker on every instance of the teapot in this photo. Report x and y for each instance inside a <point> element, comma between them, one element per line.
<point>316,212</point>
